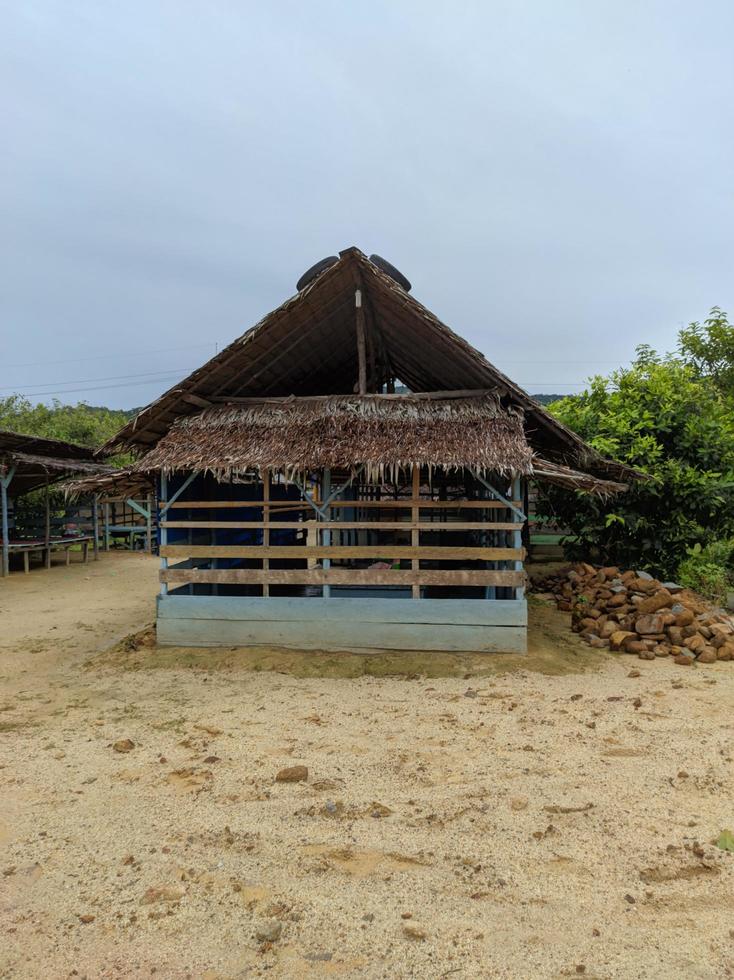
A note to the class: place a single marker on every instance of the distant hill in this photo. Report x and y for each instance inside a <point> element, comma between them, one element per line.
<point>547,399</point>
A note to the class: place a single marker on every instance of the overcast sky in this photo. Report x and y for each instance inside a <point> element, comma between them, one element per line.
<point>554,177</point>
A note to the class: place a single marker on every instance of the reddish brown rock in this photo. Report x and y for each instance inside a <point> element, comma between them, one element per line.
<point>293,774</point>
<point>707,656</point>
<point>675,635</point>
<point>684,660</point>
<point>649,623</point>
<point>644,585</point>
<point>617,639</point>
<point>695,643</point>
<point>662,599</point>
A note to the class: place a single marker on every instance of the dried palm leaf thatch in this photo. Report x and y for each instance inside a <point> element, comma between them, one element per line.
<point>570,479</point>
<point>383,434</point>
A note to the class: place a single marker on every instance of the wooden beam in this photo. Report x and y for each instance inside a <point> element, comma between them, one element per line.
<point>361,343</point>
<point>415,535</point>
<point>338,576</point>
<point>413,396</point>
<point>405,503</point>
<point>266,524</point>
<point>181,551</point>
<point>196,400</point>
<point>350,525</point>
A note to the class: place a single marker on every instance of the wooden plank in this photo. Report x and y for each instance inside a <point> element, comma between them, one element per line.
<point>339,576</point>
<point>266,521</point>
<point>460,612</point>
<point>413,396</point>
<point>426,553</point>
<point>224,504</point>
<point>405,503</point>
<point>350,525</point>
<point>337,636</point>
<point>415,538</point>
<point>361,344</point>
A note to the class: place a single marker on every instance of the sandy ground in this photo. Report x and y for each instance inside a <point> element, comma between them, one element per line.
<point>463,817</point>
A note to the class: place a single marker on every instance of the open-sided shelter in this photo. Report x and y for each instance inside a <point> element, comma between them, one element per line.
<point>28,463</point>
<point>305,502</point>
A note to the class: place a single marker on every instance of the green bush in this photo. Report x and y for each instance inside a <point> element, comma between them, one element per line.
<point>661,416</point>
<point>709,570</point>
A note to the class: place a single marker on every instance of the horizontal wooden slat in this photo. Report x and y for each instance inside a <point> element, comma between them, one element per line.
<point>224,504</point>
<point>341,551</point>
<point>350,525</point>
<point>340,636</point>
<point>372,609</point>
<point>338,576</point>
<point>404,503</point>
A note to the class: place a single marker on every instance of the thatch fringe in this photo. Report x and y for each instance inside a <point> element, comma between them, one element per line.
<point>382,435</point>
<point>570,479</point>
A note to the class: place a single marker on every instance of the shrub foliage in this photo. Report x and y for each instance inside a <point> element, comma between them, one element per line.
<point>668,416</point>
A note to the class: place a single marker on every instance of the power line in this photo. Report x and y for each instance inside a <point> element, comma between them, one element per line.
<point>115,355</point>
<point>172,372</point>
<point>73,391</point>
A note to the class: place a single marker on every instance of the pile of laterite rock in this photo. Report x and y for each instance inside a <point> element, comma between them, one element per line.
<point>632,612</point>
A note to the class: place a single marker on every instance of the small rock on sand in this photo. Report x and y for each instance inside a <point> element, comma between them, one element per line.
<point>293,774</point>
<point>123,745</point>
<point>163,893</point>
<point>269,931</point>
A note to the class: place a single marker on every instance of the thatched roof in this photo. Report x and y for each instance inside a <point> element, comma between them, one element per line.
<point>383,433</point>
<point>570,479</point>
<point>128,482</point>
<point>36,461</point>
<point>308,347</point>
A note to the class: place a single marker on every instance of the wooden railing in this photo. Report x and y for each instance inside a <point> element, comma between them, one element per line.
<point>319,544</point>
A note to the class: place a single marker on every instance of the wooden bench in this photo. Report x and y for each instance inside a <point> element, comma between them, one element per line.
<point>27,547</point>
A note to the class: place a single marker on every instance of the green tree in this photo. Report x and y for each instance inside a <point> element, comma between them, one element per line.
<point>662,416</point>
<point>709,349</point>
<point>84,424</point>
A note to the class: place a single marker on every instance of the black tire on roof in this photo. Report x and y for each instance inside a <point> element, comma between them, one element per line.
<point>391,271</point>
<point>310,274</point>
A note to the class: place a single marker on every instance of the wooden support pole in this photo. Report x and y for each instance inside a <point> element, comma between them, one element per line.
<point>6,533</point>
<point>517,491</point>
<point>361,343</point>
<point>47,503</point>
<point>95,526</point>
<point>4,521</point>
<point>149,524</point>
<point>266,529</point>
<point>164,532</point>
<point>415,535</point>
<point>326,562</point>
<point>107,525</point>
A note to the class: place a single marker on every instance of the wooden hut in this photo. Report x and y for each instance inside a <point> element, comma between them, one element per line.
<point>29,463</point>
<point>304,502</point>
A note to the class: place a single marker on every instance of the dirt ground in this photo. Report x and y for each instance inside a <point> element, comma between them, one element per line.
<point>548,816</point>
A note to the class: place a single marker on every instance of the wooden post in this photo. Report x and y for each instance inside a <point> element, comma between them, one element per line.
<point>415,535</point>
<point>95,526</point>
<point>164,530</point>
<point>107,525</point>
<point>361,345</point>
<point>517,535</point>
<point>266,529</point>
<point>4,484</point>
<point>149,524</point>
<point>326,563</point>
<point>47,533</point>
